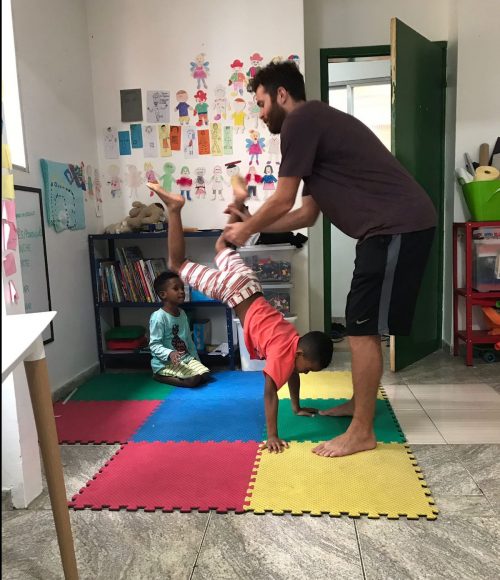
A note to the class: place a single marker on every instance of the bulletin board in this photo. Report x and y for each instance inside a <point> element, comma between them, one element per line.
<point>33,253</point>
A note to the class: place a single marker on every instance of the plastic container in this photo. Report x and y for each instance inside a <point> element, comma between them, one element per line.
<point>278,295</point>
<point>201,334</point>
<point>486,270</point>
<point>197,296</point>
<point>248,364</point>
<point>483,199</point>
<point>271,262</point>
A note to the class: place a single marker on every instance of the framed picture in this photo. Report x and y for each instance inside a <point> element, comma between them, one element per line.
<point>33,253</point>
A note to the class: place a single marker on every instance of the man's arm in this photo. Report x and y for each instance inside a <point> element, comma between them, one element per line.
<point>273,443</point>
<point>303,217</point>
<point>294,388</point>
<point>278,205</point>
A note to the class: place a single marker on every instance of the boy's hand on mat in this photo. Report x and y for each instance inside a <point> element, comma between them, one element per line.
<point>175,357</point>
<point>276,445</point>
<point>306,411</point>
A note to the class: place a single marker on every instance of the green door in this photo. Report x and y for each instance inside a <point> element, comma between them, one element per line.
<point>418,71</point>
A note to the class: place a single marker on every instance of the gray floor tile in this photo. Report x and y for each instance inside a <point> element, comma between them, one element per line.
<point>447,548</point>
<point>464,506</point>
<point>278,547</point>
<point>440,367</point>
<point>80,463</point>
<point>108,545</point>
<point>483,463</point>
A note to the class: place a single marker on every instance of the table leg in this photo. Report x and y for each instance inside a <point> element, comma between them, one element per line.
<point>41,401</point>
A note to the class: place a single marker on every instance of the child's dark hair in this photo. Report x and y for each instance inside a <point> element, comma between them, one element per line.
<point>282,74</point>
<point>317,347</point>
<point>162,279</point>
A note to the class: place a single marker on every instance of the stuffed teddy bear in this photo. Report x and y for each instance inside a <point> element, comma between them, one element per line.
<point>140,214</point>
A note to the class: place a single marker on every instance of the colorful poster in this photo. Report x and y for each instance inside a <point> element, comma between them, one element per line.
<point>8,186</point>
<point>158,105</point>
<point>124,142</point>
<point>111,150</point>
<point>203,142</point>
<point>9,264</point>
<point>189,138</point>
<point>228,140</point>
<point>216,138</point>
<point>164,136</point>
<point>9,230</point>
<point>6,159</point>
<point>131,105</point>
<point>150,141</point>
<point>175,138</point>
<point>136,136</point>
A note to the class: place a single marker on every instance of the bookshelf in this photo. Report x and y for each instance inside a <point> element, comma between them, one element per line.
<point>110,254</point>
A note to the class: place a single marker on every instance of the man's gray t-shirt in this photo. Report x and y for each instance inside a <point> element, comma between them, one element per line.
<point>355,180</point>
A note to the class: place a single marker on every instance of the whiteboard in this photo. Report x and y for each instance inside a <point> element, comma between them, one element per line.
<point>33,253</point>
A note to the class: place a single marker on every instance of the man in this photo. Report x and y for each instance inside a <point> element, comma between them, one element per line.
<point>356,182</point>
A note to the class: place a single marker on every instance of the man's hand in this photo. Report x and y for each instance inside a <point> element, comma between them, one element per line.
<point>231,209</point>
<point>306,411</point>
<point>276,445</point>
<point>175,357</point>
<point>237,233</point>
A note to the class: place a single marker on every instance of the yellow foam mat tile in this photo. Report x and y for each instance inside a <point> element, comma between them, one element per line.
<point>385,481</point>
<point>325,385</point>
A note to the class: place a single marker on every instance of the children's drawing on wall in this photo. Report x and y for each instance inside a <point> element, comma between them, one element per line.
<point>200,187</point>
<point>185,182</point>
<point>253,112</point>
<point>255,60</point>
<point>228,140</point>
<point>201,108</point>
<point>277,59</point>
<point>269,180</point>
<point>75,174</point>
<point>167,179</point>
<point>203,142</point>
<point>220,103</point>
<point>136,135</point>
<point>131,105</point>
<point>253,179</point>
<point>255,146</point>
<point>158,104</point>
<point>295,58</point>
<point>175,137</point>
<point>164,137</point>
<point>216,138</point>
<point>150,141</point>
<point>183,107</point>
<point>232,169</point>
<point>239,115</point>
<point>200,70</point>
<point>189,138</point>
<point>150,175</point>
<point>97,193</point>
<point>124,142</point>
<point>134,180</point>
<point>89,177</point>
<point>274,149</point>
<point>115,181</point>
<point>237,80</point>
<point>217,183</point>
<point>111,150</point>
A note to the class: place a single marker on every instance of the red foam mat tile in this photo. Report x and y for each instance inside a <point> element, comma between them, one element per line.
<point>173,475</point>
<point>100,421</point>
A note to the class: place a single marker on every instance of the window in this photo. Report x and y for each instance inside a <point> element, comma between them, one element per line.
<point>10,91</point>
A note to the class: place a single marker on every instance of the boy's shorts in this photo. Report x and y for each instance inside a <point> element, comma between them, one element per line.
<point>232,283</point>
<point>387,274</point>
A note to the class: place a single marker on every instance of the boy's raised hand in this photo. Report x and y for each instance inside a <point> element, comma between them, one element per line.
<point>275,445</point>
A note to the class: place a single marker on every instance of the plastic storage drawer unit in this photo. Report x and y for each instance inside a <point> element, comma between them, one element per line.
<point>271,262</point>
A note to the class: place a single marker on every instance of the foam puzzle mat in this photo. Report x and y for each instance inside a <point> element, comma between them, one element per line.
<point>200,449</point>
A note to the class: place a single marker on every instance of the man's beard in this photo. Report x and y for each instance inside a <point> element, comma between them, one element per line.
<point>275,118</point>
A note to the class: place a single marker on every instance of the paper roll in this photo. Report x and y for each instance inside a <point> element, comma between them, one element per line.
<point>463,174</point>
<point>486,173</point>
<point>484,154</point>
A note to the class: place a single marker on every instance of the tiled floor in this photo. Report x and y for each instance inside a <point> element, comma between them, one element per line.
<point>451,417</point>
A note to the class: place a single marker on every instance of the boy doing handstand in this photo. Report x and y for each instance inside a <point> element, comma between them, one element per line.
<point>267,334</point>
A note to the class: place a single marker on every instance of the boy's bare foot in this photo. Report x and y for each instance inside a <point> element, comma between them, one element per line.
<point>171,200</point>
<point>344,410</point>
<point>239,188</point>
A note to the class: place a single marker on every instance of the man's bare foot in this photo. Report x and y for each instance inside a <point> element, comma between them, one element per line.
<point>171,200</point>
<point>346,444</point>
<point>239,188</point>
<point>344,410</point>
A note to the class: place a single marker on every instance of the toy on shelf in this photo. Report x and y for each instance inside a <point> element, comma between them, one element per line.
<point>140,217</point>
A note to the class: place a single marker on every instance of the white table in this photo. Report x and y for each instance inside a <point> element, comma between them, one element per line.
<point>22,342</point>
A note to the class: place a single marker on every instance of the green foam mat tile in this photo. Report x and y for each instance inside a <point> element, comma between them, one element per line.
<point>122,387</point>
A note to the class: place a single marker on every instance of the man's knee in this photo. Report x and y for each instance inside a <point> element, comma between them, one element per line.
<point>360,343</point>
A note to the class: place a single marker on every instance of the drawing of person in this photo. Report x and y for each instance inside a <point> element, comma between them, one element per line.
<point>220,103</point>
<point>252,179</point>
<point>255,146</point>
<point>185,182</point>
<point>167,179</point>
<point>183,107</point>
<point>199,70</point>
<point>255,60</point>
<point>239,115</point>
<point>269,179</point>
<point>274,150</point>
<point>217,181</point>
<point>237,80</point>
<point>134,179</point>
<point>216,144</point>
<point>201,108</point>
<point>115,181</point>
<point>200,189</point>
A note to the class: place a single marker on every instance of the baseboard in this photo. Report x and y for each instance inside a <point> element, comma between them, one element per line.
<point>67,388</point>
<point>6,500</point>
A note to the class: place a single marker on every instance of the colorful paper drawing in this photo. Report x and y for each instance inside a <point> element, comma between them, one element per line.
<point>136,135</point>
<point>200,186</point>
<point>97,193</point>
<point>185,182</point>
<point>124,142</point>
<point>134,180</point>
<point>274,149</point>
<point>239,115</point>
<point>269,180</point>
<point>201,108</point>
<point>220,103</point>
<point>228,140</point>
<point>295,58</point>
<point>8,186</point>
<point>255,146</point>
<point>164,137</point>
<point>216,138</point>
<point>183,107</point>
<point>253,112</point>
<point>9,210</point>
<point>189,138</point>
<point>115,181</point>
<point>203,142</point>
<point>237,80</point>
<point>9,264</point>
<point>217,183</point>
<point>111,150</point>
<point>175,137</point>
<point>9,235</point>
<point>63,198</point>
<point>6,158</point>
<point>149,141</point>
<point>200,70</point>
<point>13,295</point>
<point>255,60</point>
<point>253,179</point>
<point>167,179</point>
<point>150,175</point>
<point>158,106</point>
<point>131,105</point>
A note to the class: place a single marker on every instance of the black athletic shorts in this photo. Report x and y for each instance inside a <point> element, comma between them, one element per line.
<point>387,274</point>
